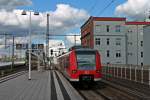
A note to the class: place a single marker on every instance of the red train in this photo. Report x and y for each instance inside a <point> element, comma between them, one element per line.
<point>81,64</point>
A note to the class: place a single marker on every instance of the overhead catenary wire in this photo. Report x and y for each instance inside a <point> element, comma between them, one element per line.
<point>105,8</point>
<point>93,6</point>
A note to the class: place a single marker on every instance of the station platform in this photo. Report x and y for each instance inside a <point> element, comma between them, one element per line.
<point>46,85</point>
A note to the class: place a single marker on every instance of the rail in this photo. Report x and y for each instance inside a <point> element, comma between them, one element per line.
<point>4,79</point>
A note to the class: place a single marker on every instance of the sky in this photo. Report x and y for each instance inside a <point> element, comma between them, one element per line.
<point>66,16</point>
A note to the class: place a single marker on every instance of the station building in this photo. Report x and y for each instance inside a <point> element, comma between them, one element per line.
<point>56,48</point>
<point>118,41</point>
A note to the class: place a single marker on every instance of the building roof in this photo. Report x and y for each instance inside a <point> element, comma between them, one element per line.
<point>104,19</point>
<point>137,23</point>
<point>109,19</point>
<point>114,19</point>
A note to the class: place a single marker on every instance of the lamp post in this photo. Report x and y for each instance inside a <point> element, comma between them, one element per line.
<point>24,13</point>
<point>47,40</point>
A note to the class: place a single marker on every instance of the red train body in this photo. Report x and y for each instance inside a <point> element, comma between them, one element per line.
<point>81,64</point>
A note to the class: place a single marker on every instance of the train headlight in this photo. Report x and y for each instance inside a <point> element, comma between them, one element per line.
<point>74,71</point>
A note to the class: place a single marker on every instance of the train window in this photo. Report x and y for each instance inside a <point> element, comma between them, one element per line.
<point>67,61</point>
<point>86,60</point>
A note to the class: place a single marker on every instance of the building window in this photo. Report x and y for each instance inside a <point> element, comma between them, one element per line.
<point>97,41</point>
<point>108,53</point>
<point>118,41</point>
<point>118,28</point>
<point>107,41</point>
<point>108,63</point>
<point>141,54</point>
<point>97,28</point>
<point>129,31</point>
<point>130,54</point>
<point>118,62</point>
<point>130,43</point>
<point>107,28</point>
<point>118,53</point>
<point>141,43</point>
<point>141,63</point>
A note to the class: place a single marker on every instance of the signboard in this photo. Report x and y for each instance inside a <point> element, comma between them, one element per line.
<point>24,46</point>
<point>21,46</point>
<point>41,46</point>
<point>18,46</point>
<point>34,46</point>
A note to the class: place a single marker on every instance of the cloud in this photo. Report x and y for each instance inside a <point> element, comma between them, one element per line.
<point>14,22</point>
<point>135,9</point>
<point>71,39</point>
<point>56,43</point>
<point>10,4</point>
<point>63,19</point>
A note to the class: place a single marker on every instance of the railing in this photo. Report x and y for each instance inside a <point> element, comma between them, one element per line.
<point>129,72</point>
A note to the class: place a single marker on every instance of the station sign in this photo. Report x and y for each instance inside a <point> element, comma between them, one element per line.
<point>41,46</point>
<point>18,46</point>
<point>33,46</point>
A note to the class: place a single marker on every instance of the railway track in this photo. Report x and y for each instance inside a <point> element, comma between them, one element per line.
<point>92,92</point>
<point>103,91</point>
<point>134,92</point>
<point>12,76</point>
<point>133,85</point>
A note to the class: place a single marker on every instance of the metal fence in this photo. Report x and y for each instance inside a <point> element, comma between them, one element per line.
<point>135,73</point>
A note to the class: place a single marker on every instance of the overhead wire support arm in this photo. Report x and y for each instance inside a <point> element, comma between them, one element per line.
<point>65,35</point>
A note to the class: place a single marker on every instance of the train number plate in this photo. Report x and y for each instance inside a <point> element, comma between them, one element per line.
<point>86,77</point>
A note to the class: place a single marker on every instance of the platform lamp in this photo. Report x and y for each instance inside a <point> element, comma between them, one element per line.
<point>29,46</point>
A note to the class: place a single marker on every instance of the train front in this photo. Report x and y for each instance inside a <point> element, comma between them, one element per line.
<point>88,65</point>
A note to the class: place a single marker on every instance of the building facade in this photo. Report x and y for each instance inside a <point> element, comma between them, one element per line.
<point>135,45</point>
<point>118,41</point>
<point>146,48</point>
<point>56,48</point>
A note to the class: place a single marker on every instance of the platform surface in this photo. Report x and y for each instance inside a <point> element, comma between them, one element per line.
<point>47,85</point>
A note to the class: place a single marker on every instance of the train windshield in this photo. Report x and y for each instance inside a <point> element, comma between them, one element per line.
<point>86,60</point>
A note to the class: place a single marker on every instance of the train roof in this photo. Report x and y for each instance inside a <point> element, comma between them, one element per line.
<point>78,48</point>
<point>81,48</point>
